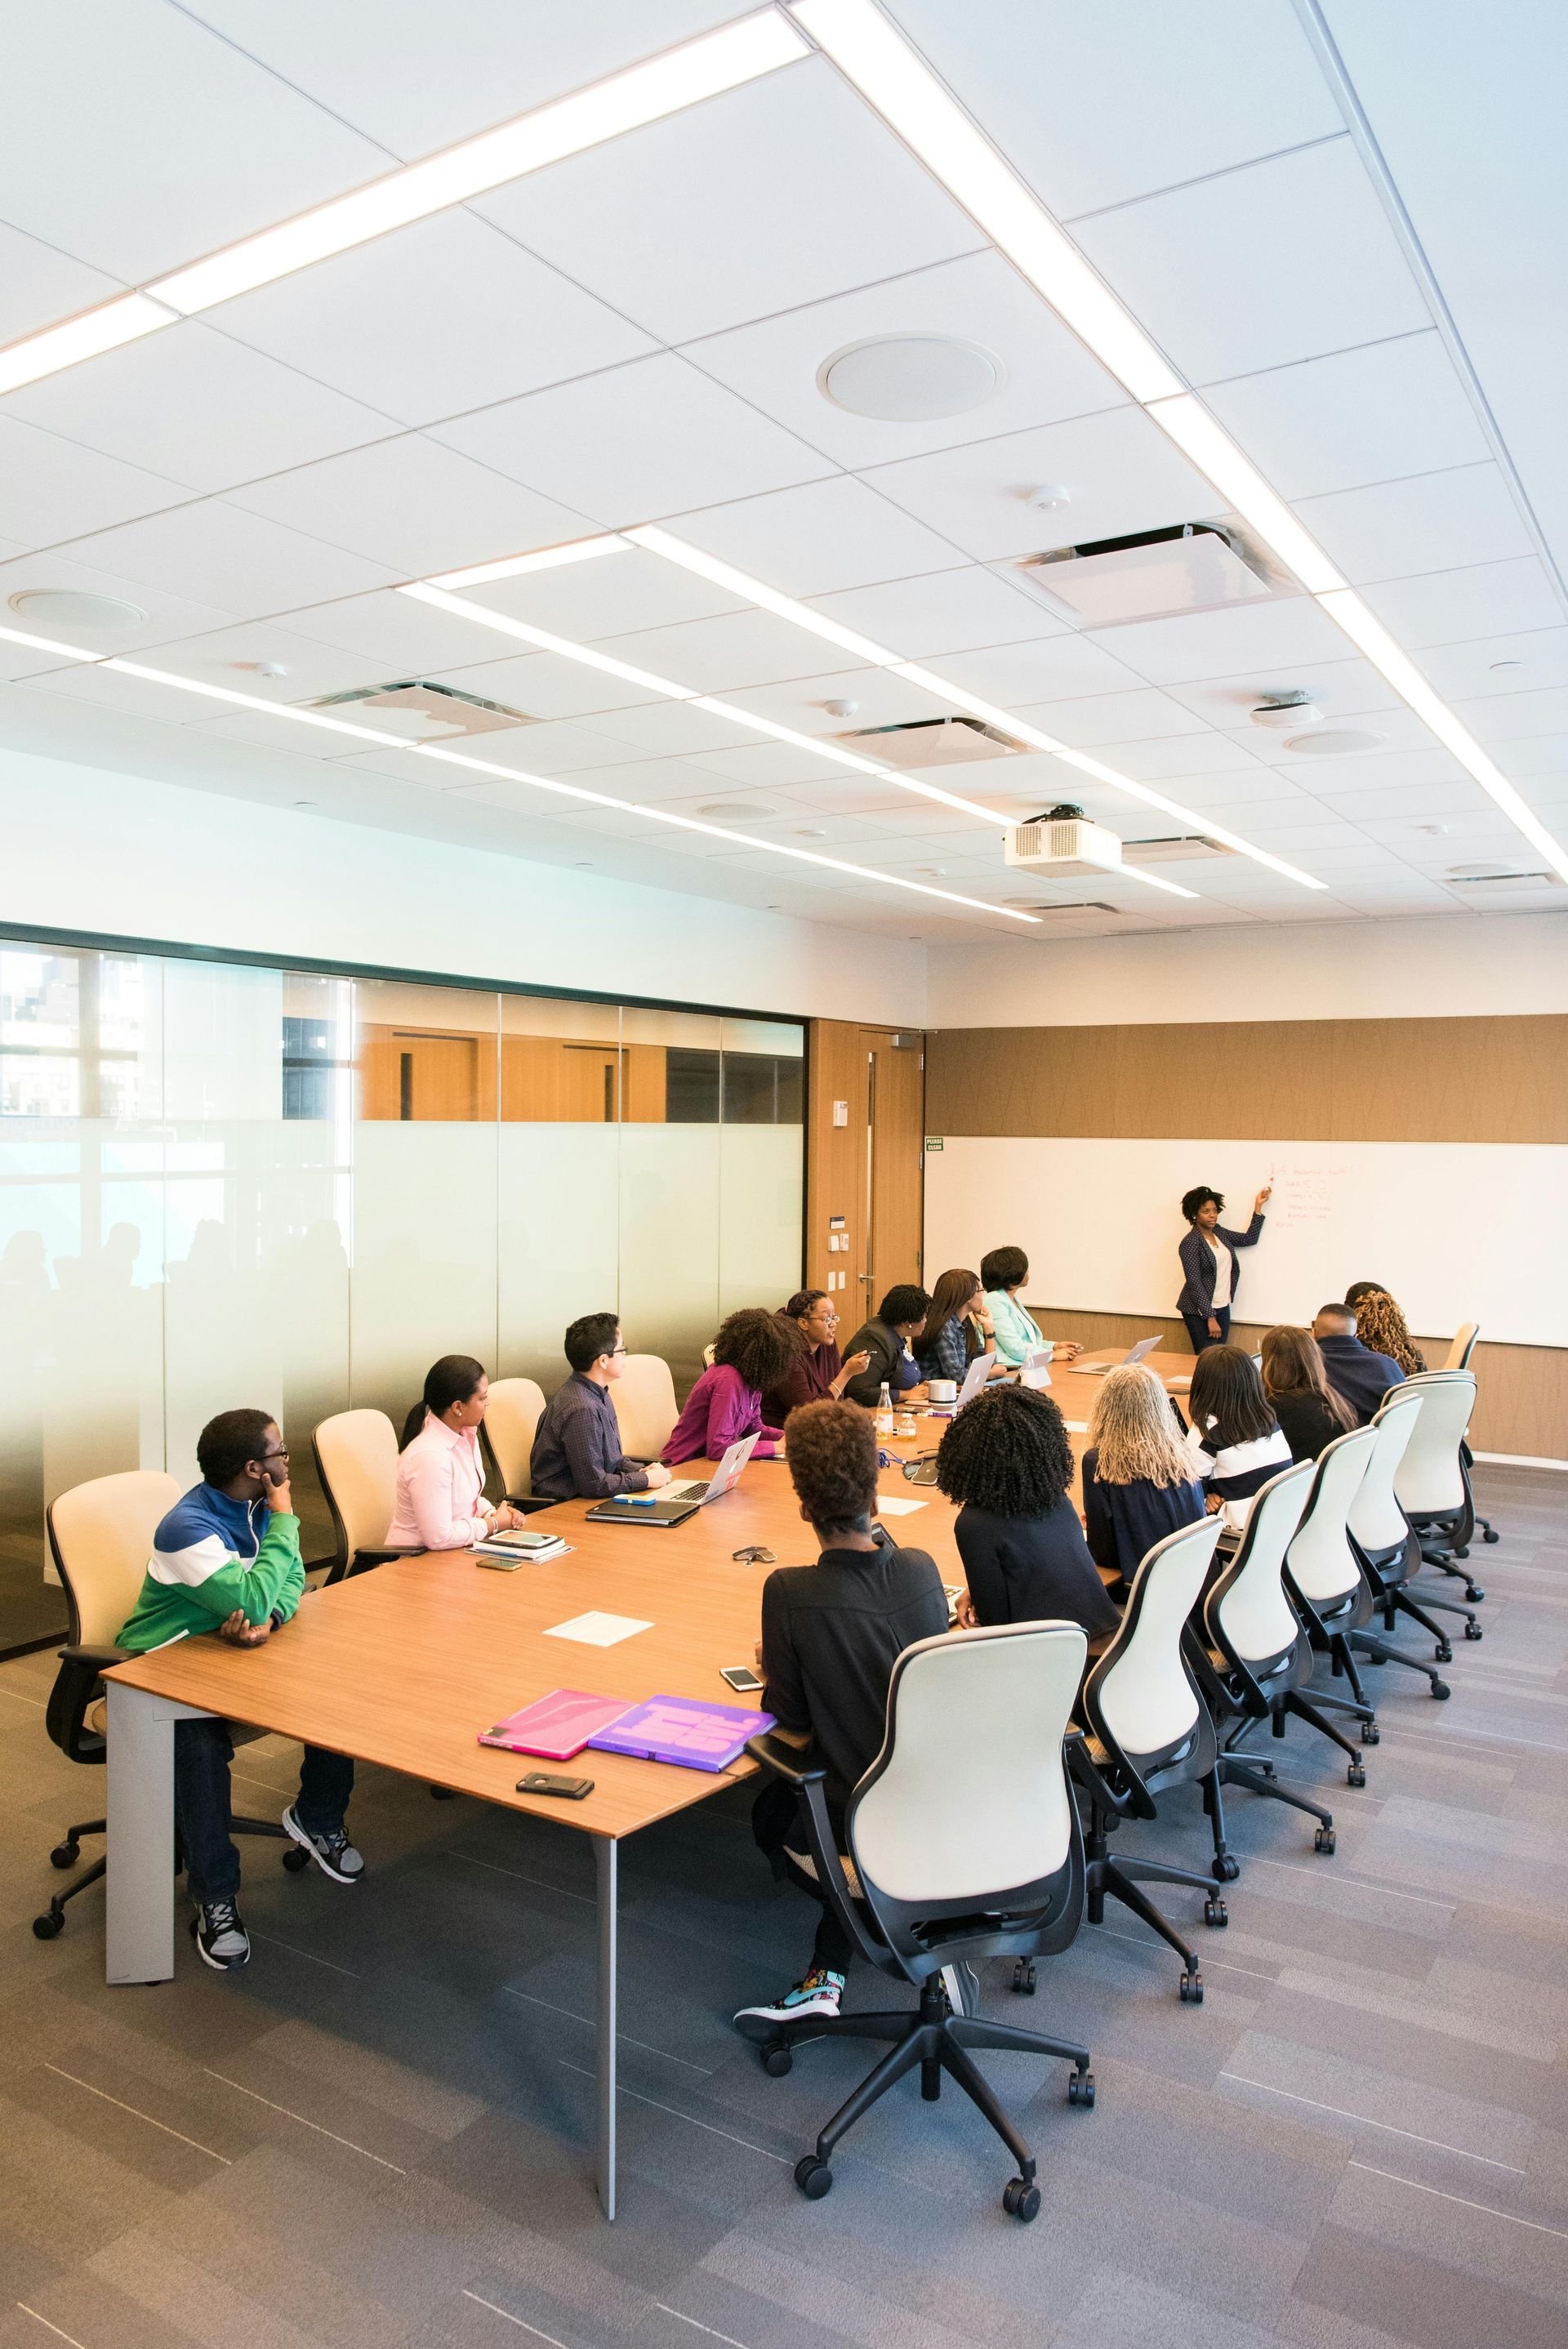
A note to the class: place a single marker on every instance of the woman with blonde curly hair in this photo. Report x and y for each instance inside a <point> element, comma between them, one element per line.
<point>1138,1485</point>
<point>1380,1325</point>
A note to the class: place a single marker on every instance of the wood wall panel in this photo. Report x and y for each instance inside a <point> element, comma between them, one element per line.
<point>1521,1392</point>
<point>1482,1080</point>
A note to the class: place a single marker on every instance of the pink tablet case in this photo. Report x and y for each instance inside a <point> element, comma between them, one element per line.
<point>683,1729</point>
<point>556,1726</point>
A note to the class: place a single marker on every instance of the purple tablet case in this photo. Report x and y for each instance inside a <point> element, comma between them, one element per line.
<point>683,1729</point>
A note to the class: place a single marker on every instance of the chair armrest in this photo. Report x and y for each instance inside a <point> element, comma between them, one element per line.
<point>100,1659</point>
<point>528,1502</point>
<point>802,1768</point>
<point>79,1680</point>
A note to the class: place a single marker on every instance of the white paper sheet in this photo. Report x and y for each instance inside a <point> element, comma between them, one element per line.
<point>887,1506</point>
<point>597,1629</point>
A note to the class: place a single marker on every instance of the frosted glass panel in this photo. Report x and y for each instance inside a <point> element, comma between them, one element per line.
<point>560,1244</point>
<point>669,1243</point>
<point>424,1277</point>
<point>761,1162</point>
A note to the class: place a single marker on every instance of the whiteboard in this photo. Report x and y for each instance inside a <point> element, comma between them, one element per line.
<point>1459,1231</point>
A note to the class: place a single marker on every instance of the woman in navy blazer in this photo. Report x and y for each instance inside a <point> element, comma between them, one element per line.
<point>1210,1272</point>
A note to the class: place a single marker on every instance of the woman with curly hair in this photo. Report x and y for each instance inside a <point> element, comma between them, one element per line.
<point>1007,1459</point>
<point>1137,1483</point>
<point>754,1350</point>
<point>1380,1325</point>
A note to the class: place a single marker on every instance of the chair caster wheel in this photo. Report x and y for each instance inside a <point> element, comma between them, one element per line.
<point>1024,1977</point>
<point>1080,2090</point>
<point>1444,1654</point>
<point>777,2059</point>
<point>47,1926</point>
<point>294,1859</point>
<point>1323,1841</point>
<point>1355,1776</point>
<point>1440,1688</point>
<point>1490,1535</point>
<point>1226,1867</point>
<point>1191,1989</point>
<point>1371,1734</point>
<point>1021,2199</point>
<point>812,2177</point>
<point>1474,1593</point>
<point>66,1855</point>
<point>1215,1912</point>
<point>1459,1553</point>
<point>1474,1631</point>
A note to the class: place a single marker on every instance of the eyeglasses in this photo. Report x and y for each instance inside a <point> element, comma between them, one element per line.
<point>753,1558</point>
<point>281,1454</point>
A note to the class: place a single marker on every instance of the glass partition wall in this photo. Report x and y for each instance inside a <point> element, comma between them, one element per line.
<point>224,1185</point>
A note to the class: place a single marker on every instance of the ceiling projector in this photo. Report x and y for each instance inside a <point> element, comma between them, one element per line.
<point>1063,845</point>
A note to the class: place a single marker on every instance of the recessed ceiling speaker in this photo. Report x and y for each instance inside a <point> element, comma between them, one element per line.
<point>910,378</point>
<point>735,811</point>
<point>73,608</point>
<point>1335,741</point>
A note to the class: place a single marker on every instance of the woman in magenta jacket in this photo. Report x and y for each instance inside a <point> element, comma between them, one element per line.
<point>753,1350</point>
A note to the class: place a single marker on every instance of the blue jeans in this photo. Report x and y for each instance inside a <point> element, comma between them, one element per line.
<point>1197,1328</point>
<point>203,1753</point>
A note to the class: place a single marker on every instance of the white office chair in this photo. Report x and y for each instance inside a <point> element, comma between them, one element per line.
<point>965,1843</point>
<point>1149,1731</point>
<point>1259,1658</point>
<point>644,1400</point>
<point>1381,1535</point>
<point>1325,1579</point>
<point>1460,1358</point>
<point>357,1463</point>
<point>514,1409</point>
<point>1432,1484</point>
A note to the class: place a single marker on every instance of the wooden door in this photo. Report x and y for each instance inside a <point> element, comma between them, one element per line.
<point>864,1176</point>
<point>437,1076</point>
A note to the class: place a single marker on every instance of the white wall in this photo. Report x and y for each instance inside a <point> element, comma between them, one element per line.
<point>1433,969</point>
<point>82,849</point>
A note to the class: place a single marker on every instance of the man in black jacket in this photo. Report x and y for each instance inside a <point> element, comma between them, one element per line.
<point>1362,1377</point>
<point>886,1340</point>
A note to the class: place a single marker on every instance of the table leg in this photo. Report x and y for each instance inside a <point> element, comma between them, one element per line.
<point>607,1853</point>
<point>139,1810</point>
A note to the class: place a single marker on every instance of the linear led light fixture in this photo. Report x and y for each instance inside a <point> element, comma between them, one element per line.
<point>645,92</point>
<point>487,767</point>
<point>900,86</point>
<point>544,558</point>
<point>1367,632</point>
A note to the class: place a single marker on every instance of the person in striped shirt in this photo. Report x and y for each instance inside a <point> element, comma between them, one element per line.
<point>1234,1442</point>
<point>226,1559</point>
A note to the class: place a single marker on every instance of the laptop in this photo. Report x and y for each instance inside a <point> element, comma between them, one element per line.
<point>1133,1354</point>
<point>675,1502</point>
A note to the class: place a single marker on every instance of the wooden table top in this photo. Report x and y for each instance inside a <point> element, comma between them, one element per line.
<point>405,1665</point>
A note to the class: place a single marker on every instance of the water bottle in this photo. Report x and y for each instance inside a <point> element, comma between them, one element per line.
<point>884,1410</point>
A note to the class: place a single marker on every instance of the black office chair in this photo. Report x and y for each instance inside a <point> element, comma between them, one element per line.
<point>1149,1731</point>
<point>100,1536</point>
<point>965,1843</point>
<point>1258,1659</point>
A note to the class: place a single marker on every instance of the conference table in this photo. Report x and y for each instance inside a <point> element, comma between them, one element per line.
<point>404,1666</point>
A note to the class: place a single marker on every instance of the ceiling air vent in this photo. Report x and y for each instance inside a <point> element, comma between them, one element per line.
<point>935,743</point>
<point>1178,850</point>
<point>1191,567</point>
<point>430,710</point>
<point>1482,885</point>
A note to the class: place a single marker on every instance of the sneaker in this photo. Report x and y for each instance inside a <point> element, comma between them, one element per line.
<point>219,1932</point>
<point>818,1994</point>
<point>961,1985</point>
<point>332,1852</point>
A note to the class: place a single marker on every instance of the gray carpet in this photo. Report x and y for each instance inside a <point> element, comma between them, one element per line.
<point>380,2133</point>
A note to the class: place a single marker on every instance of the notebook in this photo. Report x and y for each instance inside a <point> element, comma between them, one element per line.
<point>556,1726</point>
<point>683,1729</point>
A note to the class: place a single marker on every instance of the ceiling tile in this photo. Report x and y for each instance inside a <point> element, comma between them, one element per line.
<point>214,552</point>
<point>1392,770</point>
<point>1111,717</point>
<point>942,612</point>
<point>778,192</point>
<point>403,638</point>
<point>1170,758</point>
<point>1218,644</point>
<point>727,654</point>
<point>1284,260</point>
<point>1340,689</point>
<point>547,685</point>
<point>1516,663</point>
<point>608,597</point>
<point>1121,472</point>
<point>1052,668</point>
<point>412,505</point>
<point>635,443</point>
<point>1534,755</point>
<point>826,536</point>
<point>1452,606</point>
<point>172,144</point>
<point>227,657</point>
<point>444,316</point>
<point>1427,523</point>
<point>1094,106</point>
<point>981,298</point>
<point>1509,717</point>
<point>1368,415</point>
<point>192,405</point>
<point>167,614</point>
<point>38,284</point>
<point>879,699</point>
<point>371,61</point>
<point>56,489</point>
<point>671,730</point>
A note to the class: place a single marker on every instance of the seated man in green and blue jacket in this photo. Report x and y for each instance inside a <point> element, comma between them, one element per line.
<point>226,1559</point>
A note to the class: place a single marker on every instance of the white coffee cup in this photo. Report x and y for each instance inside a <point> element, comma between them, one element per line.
<point>941,1389</point>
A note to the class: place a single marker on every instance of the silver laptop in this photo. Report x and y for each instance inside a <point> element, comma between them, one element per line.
<point>1133,1354</point>
<point>975,1378</point>
<point>673,1503</point>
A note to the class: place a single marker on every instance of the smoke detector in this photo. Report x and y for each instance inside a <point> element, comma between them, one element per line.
<point>1283,711</point>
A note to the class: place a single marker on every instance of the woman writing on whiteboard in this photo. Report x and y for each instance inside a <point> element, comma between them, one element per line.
<point>1210,1272</point>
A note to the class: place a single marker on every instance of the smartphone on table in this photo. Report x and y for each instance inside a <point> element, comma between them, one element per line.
<point>741,1679</point>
